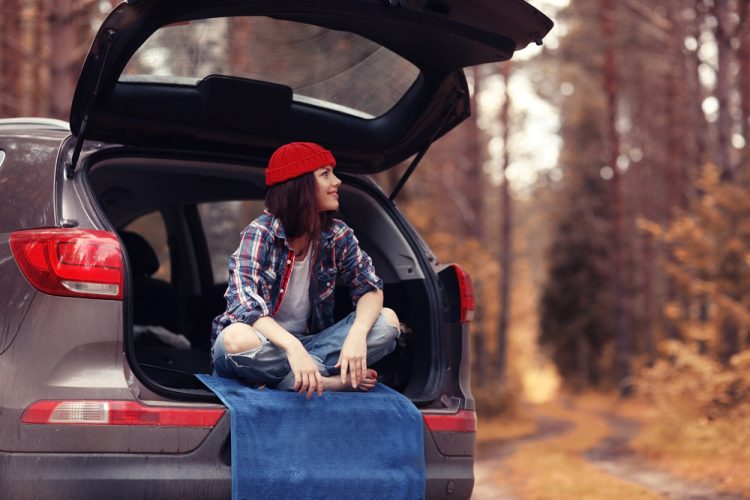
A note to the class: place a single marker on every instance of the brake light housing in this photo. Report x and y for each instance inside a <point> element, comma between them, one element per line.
<point>461,421</point>
<point>466,292</point>
<point>70,262</point>
<point>132,413</point>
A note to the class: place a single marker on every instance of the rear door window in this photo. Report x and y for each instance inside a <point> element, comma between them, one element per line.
<point>151,228</point>
<point>222,224</point>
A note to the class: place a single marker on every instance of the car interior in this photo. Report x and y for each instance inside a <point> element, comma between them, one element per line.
<point>179,220</point>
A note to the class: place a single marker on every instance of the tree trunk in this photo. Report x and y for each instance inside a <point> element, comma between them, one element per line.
<point>479,358</point>
<point>40,70</point>
<point>645,204</point>
<point>610,79</point>
<point>10,59</point>
<point>240,36</point>
<point>474,170</point>
<point>506,236</point>
<point>693,87</point>
<point>63,34</point>
<point>744,60</point>
<point>673,143</point>
<point>679,95</point>
<point>473,192</point>
<point>583,369</point>
<point>723,37</point>
<point>27,58</point>
<point>703,317</point>
<point>647,250</point>
<point>730,339</point>
<point>645,194</point>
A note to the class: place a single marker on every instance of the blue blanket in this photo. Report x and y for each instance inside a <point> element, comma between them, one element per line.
<point>347,445</point>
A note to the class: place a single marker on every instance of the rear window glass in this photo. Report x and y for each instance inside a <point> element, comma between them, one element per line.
<point>327,68</point>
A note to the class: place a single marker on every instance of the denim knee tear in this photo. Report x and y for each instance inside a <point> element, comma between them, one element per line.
<point>245,354</point>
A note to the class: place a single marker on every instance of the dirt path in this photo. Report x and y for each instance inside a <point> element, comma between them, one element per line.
<point>491,454</point>
<point>612,455</point>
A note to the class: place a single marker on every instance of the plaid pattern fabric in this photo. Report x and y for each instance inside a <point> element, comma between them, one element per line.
<point>260,268</point>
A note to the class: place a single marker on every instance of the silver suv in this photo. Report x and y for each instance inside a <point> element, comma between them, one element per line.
<point>116,228</point>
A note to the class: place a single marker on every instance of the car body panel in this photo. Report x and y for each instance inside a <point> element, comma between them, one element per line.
<point>27,200</point>
<point>26,188</point>
<point>15,294</point>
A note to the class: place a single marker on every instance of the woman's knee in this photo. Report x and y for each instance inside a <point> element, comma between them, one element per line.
<point>385,330</point>
<point>390,316</point>
<point>239,337</point>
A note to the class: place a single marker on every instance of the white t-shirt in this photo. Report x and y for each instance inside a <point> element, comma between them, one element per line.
<point>295,307</point>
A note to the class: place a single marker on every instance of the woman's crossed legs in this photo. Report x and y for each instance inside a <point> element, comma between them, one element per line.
<point>242,352</point>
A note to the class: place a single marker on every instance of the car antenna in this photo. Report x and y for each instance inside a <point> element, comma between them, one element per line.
<point>70,167</point>
<point>449,112</point>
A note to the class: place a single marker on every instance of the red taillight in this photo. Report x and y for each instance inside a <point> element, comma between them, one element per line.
<point>118,413</point>
<point>466,290</point>
<point>462,421</point>
<point>70,262</point>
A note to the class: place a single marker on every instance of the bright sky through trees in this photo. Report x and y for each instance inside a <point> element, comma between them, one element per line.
<point>535,143</point>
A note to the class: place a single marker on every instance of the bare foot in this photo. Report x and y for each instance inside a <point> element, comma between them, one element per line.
<point>333,383</point>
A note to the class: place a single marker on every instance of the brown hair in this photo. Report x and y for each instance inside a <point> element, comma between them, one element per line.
<point>294,202</point>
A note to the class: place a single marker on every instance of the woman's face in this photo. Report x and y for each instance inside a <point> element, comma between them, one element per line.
<point>327,193</point>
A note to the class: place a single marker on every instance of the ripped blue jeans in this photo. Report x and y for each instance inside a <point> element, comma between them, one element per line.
<point>268,363</point>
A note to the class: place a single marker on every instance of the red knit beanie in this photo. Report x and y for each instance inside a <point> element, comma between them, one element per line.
<point>295,159</point>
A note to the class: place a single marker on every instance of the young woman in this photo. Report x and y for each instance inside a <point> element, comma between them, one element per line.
<point>278,326</point>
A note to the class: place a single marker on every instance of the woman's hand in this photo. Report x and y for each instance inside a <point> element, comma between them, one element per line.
<point>307,378</point>
<point>353,357</point>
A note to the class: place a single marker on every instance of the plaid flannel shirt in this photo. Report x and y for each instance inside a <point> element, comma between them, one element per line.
<point>260,268</point>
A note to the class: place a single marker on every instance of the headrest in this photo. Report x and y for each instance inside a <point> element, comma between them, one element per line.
<point>143,260</point>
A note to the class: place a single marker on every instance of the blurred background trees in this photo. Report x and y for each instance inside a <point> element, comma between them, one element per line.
<point>42,47</point>
<point>635,236</point>
<point>665,135</point>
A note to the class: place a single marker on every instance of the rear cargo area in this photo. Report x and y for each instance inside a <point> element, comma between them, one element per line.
<point>180,220</point>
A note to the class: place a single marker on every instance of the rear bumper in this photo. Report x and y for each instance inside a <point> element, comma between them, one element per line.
<point>59,477</point>
<point>449,476</point>
<point>202,474</point>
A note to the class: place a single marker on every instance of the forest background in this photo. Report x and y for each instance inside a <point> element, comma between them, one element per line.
<point>597,196</point>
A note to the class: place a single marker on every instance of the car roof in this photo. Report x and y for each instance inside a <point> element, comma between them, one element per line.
<point>35,123</point>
